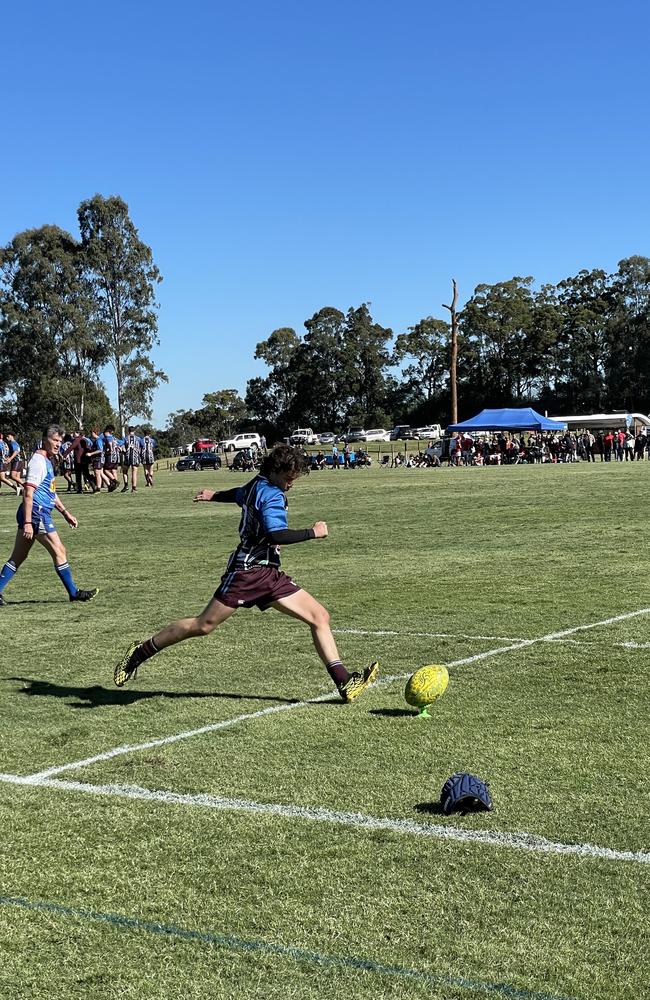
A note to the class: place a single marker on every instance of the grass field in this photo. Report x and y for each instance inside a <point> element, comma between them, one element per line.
<point>295,850</point>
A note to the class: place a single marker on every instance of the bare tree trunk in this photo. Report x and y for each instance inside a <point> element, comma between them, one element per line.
<point>454,353</point>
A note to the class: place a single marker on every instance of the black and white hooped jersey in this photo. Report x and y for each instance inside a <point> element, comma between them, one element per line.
<point>148,445</point>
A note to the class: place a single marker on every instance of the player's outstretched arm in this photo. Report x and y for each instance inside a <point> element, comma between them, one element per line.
<point>220,496</point>
<point>204,496</point>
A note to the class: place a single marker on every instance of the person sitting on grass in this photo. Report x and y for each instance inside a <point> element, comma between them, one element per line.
<point>253,577</point>
<point>34,517</point>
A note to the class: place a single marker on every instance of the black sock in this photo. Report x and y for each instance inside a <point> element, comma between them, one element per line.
<point>338,673</point>
<point>143,652</point>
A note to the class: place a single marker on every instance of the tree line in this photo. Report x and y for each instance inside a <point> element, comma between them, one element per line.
<point>72,305</point>
<point>69,307</point>
<point>580,346</point>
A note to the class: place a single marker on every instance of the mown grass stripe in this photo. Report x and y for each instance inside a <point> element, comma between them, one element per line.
<point>328,696</point>
<point>362,821</point>
<point>256,946</point>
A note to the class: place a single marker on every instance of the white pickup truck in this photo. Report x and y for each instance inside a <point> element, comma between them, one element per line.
<point>304,435</point>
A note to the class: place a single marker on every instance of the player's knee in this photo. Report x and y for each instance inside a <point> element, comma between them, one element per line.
<point>321,616</point>
<point>204,626</point>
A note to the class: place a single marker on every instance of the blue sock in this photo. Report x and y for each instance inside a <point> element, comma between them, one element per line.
<point>7,573</point>
<point>65,575</point>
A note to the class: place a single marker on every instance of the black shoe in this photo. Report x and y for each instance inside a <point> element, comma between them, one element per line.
<point>112,487</point>
<point>125,489</point>
<point>84,595</point>
<point>133,489</point>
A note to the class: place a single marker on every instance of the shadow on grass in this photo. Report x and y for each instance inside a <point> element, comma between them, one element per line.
<point>393,713</point>
<point>8,604</point>
<point>97,696</point>
<point>429,808</point>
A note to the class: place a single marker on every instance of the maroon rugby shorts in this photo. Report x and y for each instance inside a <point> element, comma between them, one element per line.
<point>257,587</point>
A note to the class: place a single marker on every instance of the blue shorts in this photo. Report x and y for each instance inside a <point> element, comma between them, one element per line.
<point>41,519</point>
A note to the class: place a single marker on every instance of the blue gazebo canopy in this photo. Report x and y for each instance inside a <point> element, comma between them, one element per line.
<point>522,418</point>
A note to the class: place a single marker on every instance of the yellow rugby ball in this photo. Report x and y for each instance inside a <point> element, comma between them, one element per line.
<point>426,684</point>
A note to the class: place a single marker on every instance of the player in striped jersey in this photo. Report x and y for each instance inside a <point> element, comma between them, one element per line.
<point>253,577</point>
<point>148,446</point>
<point>132,460</point>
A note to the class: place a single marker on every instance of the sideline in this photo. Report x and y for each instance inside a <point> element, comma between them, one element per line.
<point>257,946</point>
<point>213,727</point>
<point>360,821</point>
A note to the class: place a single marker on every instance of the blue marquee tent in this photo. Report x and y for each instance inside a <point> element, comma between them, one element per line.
<point>522,418</point>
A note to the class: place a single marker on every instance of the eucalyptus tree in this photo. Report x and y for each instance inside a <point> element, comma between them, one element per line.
<point>426,349</point>
<point>124,278</point>
<point>585,302</point>
<point>628,377</point>
<point>498,322</point>
<point>221,414</point>
<point>51,351</point>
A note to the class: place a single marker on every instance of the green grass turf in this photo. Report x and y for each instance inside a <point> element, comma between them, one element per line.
<point>559,729</point>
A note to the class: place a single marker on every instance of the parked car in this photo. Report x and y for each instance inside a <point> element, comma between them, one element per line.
<point>355,434</point>
<point>241,441</point>
<point>304,435</point>
<point>429,433</point>
<point>204,444</point>
<point>402,432</point>
<point>327,438</point>
<point>199,460</point>
<point>376,434</point>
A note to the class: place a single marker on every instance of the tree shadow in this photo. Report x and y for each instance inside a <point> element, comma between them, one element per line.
<point>430,808</point>
<point>97,696</point>
<point>393,713</point>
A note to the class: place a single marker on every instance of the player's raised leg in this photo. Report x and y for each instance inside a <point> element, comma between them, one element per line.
<point>306,608</point>
<point>184,628</point>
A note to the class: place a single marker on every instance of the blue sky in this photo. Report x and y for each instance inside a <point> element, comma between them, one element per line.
<point>285,156</point>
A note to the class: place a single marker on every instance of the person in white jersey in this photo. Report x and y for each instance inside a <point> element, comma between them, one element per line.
<point>34,517</point>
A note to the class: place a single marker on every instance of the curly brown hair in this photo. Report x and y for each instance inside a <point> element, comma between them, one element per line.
<point>285,459</point>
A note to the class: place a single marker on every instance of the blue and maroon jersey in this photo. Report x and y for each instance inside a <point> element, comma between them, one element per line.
<point>264,509</point>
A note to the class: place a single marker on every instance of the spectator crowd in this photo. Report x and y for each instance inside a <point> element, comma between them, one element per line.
<point>499,449</point>
<point>553,448</point>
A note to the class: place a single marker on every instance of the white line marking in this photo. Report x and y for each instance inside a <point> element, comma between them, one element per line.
<point>487,638</point>
<point>517,841</point>
<point>428,635</point>
<point>224,724</point>
<point>164,740</point>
